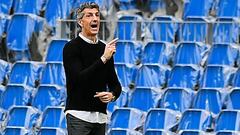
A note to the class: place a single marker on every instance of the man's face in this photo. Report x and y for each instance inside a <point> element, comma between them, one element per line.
<point>90,22</point>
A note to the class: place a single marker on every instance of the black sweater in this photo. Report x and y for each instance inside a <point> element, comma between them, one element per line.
<point>86,74</point>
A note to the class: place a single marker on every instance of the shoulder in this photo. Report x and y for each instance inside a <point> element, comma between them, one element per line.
<point>72,44</point>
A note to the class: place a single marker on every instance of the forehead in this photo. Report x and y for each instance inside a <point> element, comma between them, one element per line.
<point>90,10</point>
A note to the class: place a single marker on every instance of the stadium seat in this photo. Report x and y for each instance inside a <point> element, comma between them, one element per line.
<point>120,102</point>
<point>126,73</point>
<point>196,8</point>
<point>158,132</point>
<point>157,53</point>
<point>120,131</point>
<point>233,99</point>
<point>178,99</point>
<point>236,79</point>
<point>228,8</point>
<point>52,95</point>
<point>152,76</point>
<point>227,132</point>
<point>190,53</point>
<point>53,73</point>
<point>194,29</point>
<point>208,99</point>
<point>226,30</point>
<point>15,95</point>
<point>144,99</point>
<point>56,10</point>
<point>16,131</point>
<point>228,120</point>
<point>52,131</point>
<point>129,27</point>
<point>126,118</point>
<point>5,6</point>
<point>192,132</point>
<point>28,6</point>
<point>128,52</point>
<point>216,56</point>
<point>195,119</point>
<point>127,4</point>
<point>23,116</point>
<point>216,76</point>
<point>19,38</point>
<point>5,68</point>
<point>155,5</point>
<point>54,117</point>
<point>25,73</point>
<point>55,49</point>
<point>163,28</point>
<point>184,76</point>
<point>159,118</point>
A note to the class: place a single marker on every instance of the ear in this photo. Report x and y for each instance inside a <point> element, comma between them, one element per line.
<point>80,23</point>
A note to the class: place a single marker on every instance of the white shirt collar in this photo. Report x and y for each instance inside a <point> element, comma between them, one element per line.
<point>88,40</point>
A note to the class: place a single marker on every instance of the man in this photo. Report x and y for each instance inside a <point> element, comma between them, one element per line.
<point>89,69</point>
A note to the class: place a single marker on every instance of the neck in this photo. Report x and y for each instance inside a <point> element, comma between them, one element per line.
<point>90,37</point>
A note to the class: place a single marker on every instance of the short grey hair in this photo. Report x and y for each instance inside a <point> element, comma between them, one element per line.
<point>90,5</point>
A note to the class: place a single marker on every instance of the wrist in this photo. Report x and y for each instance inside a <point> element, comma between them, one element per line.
<point>104,59</point>
<point>113,97</point>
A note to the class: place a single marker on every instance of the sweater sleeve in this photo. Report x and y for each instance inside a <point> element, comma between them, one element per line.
<point>113,82</point>
<point>74,67</point>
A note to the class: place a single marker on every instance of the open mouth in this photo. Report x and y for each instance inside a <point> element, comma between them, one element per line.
<point>93,25</point>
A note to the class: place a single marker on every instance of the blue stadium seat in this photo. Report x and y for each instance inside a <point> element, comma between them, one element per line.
<point>25,73</point>
<point>126,73</point>
<point>195,119</point>
<point>23,116</point>
<point>196,8</point>
<point>216,76</point>
<point>158,132</point>
<point>52,95</point>
<point>56,10</point>
<point>53,73</point>
<point>5,68</point>
<point>233,100</point>
<point>192,132</point>
<point>152,76</point>
<point>236,79</point>
<point>178,99</point>
<point>127,4</point>
<point>228,8</point>
<point>19,38</point>
<point>144,99</point>
<point>15,95</point>
<point>5,6</point>
<point>195,29</point>
<point>129,27</point>
<point>216,56</point>
<point>55,49</point>
<point>120,102</point>
<point>189,53</point>
<point>28,6</point>
<point>163,50</point>
<point>54,117</point>
<point>163,28</point>
<point>16,131</point>
<point>52,131</point>
<point>228,120</point>
<point>208,99</point>
<point>159,118</point>
<point>127,118</point>
<point>127,52</point>
<point>227,132</point>
<point>155,5</point>
<point>185,76</point>
<point>121,131</point>
<point>226,30</point>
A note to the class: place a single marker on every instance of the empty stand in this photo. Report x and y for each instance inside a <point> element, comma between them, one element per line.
<point>5,6</point>
<point>28,6</point>
<point>55,49</point>
<point>232,102</point>
<point>178,99</point>
<point>16,131</point>
<point>144,99</point>
<point>157,53</point>
<point>228,8</point>
<point>52,95</point>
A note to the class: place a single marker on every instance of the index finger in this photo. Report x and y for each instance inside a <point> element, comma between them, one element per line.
<point>113,41</point>
<point>100,94</point>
